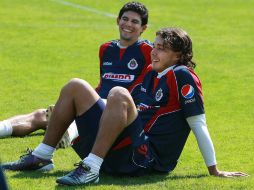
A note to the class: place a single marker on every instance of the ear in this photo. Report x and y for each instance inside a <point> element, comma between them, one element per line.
<point>178,56</point>
<point>117,21</point>
<point>144,28</point>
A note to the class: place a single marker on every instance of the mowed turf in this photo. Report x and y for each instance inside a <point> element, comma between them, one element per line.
<point>43,44</point>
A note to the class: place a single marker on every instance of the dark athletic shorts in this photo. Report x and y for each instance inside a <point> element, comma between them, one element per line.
<point>129,155</point>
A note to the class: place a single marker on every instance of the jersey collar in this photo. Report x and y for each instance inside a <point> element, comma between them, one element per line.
<point>161,74</point>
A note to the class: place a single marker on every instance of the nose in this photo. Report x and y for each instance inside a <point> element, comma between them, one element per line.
<point>153,52</point>
<point>128,23</point>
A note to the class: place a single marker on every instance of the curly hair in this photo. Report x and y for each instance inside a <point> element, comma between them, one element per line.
<point>137,8</point>
<point>178,40</point>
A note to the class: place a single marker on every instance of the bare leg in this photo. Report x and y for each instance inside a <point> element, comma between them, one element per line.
<point>120,112</point>
<point>75,98</point>
<point>25,124</point>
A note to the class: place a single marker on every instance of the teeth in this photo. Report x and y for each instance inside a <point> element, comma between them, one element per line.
<point>126,30</point>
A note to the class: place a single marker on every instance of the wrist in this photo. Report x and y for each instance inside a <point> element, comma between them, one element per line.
<point>213,170</point>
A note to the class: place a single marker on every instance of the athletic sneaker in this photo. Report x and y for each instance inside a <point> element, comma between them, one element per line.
<point>29,162</point>
<point>65,140</point>
<point>49,111</point>
<point>79,176</point>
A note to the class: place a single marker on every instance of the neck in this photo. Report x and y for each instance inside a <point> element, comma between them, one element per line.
<point>125,43</point>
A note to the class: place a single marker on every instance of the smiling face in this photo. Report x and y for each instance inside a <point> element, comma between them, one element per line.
<point>163,57</point>
<point>130,28</point>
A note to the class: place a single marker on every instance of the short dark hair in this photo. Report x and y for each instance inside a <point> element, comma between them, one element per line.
<point>137,8</point>
<point>178,40</point>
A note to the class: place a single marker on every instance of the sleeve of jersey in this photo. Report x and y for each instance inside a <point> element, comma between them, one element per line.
<point>101,52</point>
<point>198,126</point>
<point>190,95</point>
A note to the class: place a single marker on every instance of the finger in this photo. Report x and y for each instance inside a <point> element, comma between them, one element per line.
<point>237,174</point>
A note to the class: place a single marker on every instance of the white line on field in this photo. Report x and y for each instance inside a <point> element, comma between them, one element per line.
<point>85,8</point>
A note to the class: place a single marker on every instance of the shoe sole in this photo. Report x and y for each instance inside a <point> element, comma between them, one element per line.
<point>46,168</point>
<point>64,183</point>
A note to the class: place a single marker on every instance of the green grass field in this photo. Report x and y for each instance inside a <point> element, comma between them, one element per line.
<point>45,43</point>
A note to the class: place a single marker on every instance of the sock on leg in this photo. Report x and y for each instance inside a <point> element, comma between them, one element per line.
<point>73,131</point>
<point>5,128</point>
<point>94,162</point>
<point>44,151</point>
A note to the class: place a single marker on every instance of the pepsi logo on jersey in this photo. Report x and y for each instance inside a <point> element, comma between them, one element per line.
<point>187,91</point>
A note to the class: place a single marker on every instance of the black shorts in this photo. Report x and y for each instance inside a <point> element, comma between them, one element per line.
<point>129,155</point>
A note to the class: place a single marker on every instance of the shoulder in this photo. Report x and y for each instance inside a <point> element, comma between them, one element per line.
<point>109,43</point>
<point>186,75</point>
<point>145,43</point>
<point>183,71</point>
<point>146,47</point>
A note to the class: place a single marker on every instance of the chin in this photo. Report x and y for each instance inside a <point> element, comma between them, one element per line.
<point>155,68</point>
<point>125,37</point>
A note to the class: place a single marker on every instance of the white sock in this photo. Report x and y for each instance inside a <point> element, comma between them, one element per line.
<point>44,151</point>
<point>94,162</point>
<point>73,131</point>
<point>5,128</point>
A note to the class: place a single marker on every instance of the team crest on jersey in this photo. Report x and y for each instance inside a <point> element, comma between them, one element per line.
<point>187,91</point>
<point>132,64</point>
<point>158,95</point>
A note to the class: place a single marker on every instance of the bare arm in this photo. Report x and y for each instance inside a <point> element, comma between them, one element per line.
<point>198,125</point>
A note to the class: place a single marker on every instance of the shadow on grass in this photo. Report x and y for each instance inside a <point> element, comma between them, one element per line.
<point>34,134</point>
<point>37,133</point>
<point>107,180</point>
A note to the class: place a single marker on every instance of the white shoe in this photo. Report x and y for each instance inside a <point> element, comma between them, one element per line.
<point>49,111</point>
<point>65,141</point>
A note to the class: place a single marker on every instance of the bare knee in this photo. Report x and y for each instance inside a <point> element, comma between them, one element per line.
<point>120,100</point>
<point>119,95</point>
<point>74,86</point>
<point>39,120</point>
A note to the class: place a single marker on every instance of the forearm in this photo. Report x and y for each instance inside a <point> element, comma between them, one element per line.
<point>199,128</point>
<point>213,170</point>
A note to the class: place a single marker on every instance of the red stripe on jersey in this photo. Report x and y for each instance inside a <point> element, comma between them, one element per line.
<point>198,83</point>
<point>140,78</point>
<point>122,50</point>
<point>125,142</point>
<point>173,103</point>
<point>103,47</point>
<point>146,51</point>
